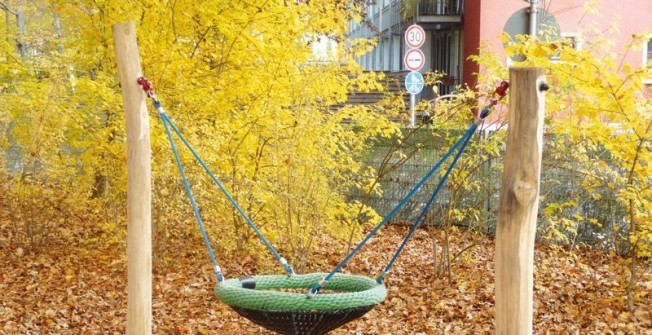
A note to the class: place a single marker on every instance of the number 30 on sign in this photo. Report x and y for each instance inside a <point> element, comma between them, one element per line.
<point>415,36</point>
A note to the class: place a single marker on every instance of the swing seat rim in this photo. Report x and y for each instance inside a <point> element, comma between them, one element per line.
<point>351,292</point>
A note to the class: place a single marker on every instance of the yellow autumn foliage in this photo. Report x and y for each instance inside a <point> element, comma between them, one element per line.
<point>241,81</point>
<point>599,118</point>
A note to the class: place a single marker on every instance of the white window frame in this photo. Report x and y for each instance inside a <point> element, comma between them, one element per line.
<point>576,37</point>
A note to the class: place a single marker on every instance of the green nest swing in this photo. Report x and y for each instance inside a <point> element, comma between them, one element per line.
<point>265,301</point>
<point>272,301</point>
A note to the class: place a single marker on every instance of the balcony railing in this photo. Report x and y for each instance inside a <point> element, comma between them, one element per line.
<point>399,12</point>
<point>441,7</point>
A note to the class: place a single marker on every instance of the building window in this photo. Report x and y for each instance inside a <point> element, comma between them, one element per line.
<point>647,59</point>
<point>573,40</point>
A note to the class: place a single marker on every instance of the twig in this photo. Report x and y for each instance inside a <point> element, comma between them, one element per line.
<point>4,6</point>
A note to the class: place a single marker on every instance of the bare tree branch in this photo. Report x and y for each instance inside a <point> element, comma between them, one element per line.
<point>6,8</point>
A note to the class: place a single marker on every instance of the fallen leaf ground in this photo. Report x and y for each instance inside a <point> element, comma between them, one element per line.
<point>77,285</point>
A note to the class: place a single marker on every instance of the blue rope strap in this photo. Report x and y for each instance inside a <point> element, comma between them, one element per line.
<point>419,219</point>
<point>242,213</point>
<point>461,144</point>
<point>186,184</point>
<point>169,124</point>
<point>464,139</point>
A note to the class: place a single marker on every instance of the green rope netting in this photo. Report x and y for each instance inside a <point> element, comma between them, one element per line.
<point>349,291</point>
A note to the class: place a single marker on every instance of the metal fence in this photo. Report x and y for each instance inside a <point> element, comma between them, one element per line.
<point>398,183</point>
<point>559,184</point>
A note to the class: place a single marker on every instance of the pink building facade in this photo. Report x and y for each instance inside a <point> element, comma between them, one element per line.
<point>484,22</point>
<point>455,29</point>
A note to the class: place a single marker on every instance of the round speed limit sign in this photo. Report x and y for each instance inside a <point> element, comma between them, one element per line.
<point>415,36</point>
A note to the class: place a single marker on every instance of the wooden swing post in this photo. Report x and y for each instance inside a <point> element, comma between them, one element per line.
<point>519,202</point>
<point>139,219</point>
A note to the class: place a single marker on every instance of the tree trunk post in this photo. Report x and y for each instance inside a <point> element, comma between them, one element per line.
<point>519,201</point>
<point>139,228</point>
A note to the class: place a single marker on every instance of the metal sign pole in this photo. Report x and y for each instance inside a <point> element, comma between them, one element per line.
<point>414,60</point>
<point>533,17</point>
<point>412,116</point>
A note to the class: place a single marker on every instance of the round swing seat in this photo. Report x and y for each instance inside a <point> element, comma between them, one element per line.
<point>270,302</point>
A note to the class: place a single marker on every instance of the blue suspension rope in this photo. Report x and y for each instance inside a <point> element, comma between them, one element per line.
<point>167,122</point>
<point>498,94</point>
<point>461,144</point>
<point>186,184</point>
<point>464,139</point>
<point>253,226</point>
<point>419,219</point>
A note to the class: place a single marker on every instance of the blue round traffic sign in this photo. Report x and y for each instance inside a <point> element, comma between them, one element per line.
<point>414,82</point>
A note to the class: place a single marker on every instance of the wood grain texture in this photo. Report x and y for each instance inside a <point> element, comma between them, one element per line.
<point>139,231</point>
<point>519,201</point>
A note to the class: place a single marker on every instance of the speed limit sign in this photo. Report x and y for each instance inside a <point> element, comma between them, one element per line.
<point>415,36</point>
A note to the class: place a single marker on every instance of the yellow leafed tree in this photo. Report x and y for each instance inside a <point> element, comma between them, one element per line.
<point>598,111</point>
<point>241,81</point>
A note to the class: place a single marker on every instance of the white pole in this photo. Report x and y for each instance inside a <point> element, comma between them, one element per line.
<point>139,219</point>
<point>412,116</point>
<point>533,17</point>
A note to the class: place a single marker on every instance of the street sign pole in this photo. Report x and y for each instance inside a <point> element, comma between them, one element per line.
<point>412,113</point>
<point>414,85</point>
<point>414,60</point>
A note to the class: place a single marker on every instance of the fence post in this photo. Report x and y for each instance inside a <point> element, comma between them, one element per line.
<point>139,220</point>
<point>519,201</point>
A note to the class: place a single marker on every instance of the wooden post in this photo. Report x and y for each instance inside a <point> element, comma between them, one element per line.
<point>519,201</point>
<point>139,228</point>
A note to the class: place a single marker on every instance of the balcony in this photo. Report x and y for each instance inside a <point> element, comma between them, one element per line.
<point>441,8</point>
<point>436,12</point>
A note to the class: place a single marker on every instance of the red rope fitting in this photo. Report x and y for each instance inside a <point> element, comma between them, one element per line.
<point>501,90</point>
<point>146,85</point>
